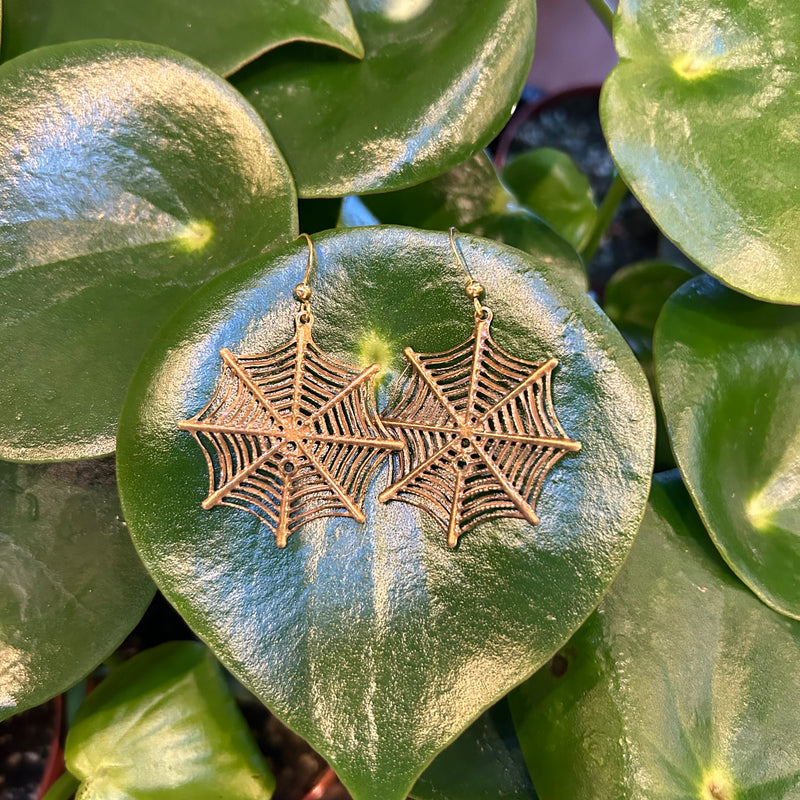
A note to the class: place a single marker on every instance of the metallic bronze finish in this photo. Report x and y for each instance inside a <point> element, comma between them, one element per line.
<point>480,431</point>
<point>291,435</point>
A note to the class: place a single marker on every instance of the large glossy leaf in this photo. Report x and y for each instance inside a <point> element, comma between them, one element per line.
<point>484,763</point>
<point>376,642</point>
<point>129,175</point>
<point>223,36</point>
<point>728,369</point>
<point>439,80</point>
<point>522,229</point>
<point>472,198</point>
<point>72,584</point>
<point>680,685</point>
<point>468,192</point>
<point>164,725</point>
<point>696,118</point>
<point>634,297</point>
<point>549,182</point>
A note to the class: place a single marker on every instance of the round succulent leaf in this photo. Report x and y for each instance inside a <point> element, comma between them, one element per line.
<point>438,81</point>
<point>484,763</point>
<point>695,117</point>
<point>635,294</point>
<point>130,175</point>
<point>470,197</point>
<point>681,684</point>
<point>549,183</point>
<point>165,725</point>
<point>73,586</point>
<point>468,192</point>
<point>223,36</point>
<point>522,229</point>
<point>727,370</point>
<point>633,299</point>
<point>377,642</point>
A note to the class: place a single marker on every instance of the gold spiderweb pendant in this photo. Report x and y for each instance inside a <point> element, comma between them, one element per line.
<point>291,435</point>
<point>480,430</point>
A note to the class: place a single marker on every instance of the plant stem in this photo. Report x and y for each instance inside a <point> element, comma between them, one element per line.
<point>63,788</point>
<point>605,214</point>
<point>603,12</point>
<point>319,789</point>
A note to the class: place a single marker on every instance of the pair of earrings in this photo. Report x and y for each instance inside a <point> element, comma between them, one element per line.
<point>292,435</point>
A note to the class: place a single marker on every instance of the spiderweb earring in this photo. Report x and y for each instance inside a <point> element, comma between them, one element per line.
<point>291,435</point>
<point>479,426</point>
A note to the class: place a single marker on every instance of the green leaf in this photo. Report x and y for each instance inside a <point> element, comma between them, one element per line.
<point>635,295</point>
<point>548,182</point>
<point>376,642</point>
<point>633,300</point>
<point>73,586</point>
<point>524,230</point>
<point>164,725</point>
<point>680,685</point>
<point>484,763</point>
<point>696,118</point>
<point>223,36</point>
<point>727,370</point>
<point>470,197</point>
<point>129,175</point>
<point>438,82</point>
<point>470,191</point>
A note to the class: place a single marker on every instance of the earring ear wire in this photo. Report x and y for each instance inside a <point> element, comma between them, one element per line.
<point>473,289</point>
<point>303,290</point>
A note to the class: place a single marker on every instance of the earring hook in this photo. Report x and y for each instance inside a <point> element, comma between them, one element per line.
<point>473,289</point>
<point>303,290</point>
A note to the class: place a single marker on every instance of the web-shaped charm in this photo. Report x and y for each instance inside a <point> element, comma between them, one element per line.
<point>480,430</point>
<point>291,435</point>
